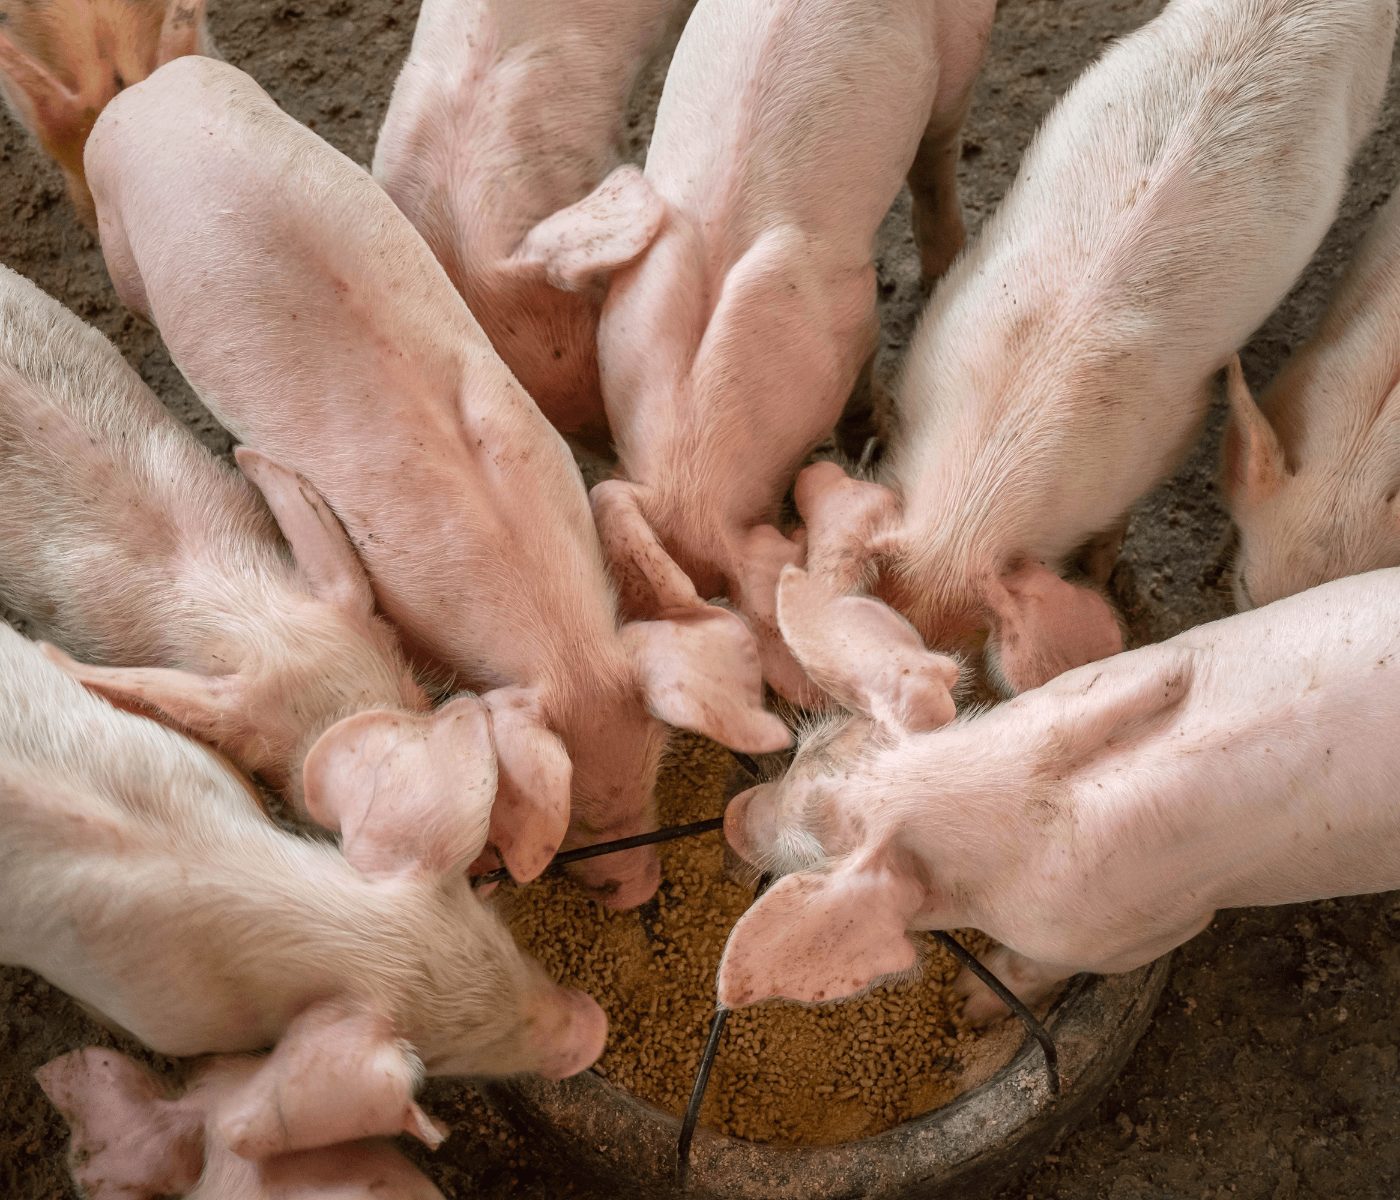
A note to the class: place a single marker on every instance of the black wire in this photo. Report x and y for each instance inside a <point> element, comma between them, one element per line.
<point>721,1017</point>
<point>749,764</point>
<point>669,834</point>
<point>702,1075</point>
<point>697,1096</point>
<point>1010,999</point>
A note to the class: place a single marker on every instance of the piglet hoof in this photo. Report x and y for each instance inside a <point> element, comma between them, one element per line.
<point>981,1007</point>
<point>1032,982</point>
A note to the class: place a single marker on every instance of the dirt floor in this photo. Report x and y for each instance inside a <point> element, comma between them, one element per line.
<point>1271,1069</point>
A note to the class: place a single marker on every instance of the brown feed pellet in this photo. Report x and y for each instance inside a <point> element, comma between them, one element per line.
<point>784,1073</point>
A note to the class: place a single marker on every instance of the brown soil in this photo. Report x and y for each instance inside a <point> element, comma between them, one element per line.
<point>1271,1069</point>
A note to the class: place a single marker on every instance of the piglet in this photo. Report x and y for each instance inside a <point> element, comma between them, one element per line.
<point>314,322</point>
<point>131,1139</point>
<point>1096,822</point>
<point>1065,364</point>
<point>124,541</point>
<point>502,127</point>
<point>728,350</point>
<point>141,877</point>
<point>61,61</point>
<point>1312,473</point>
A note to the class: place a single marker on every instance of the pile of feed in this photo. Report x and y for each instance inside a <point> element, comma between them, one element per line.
<point>784,1073</point>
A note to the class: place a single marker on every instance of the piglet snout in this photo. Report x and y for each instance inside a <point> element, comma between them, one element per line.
<point>570,1031</point>
<point>749,827</point>
<point>622,880</point>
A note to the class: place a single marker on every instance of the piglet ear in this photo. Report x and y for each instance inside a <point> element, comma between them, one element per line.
<point>866,655</point>
<point>185,30</point>
<point>336,1075</point>
<point>531,813</point>
<point>842,515</point>
<point>1253,460</point>
<point>1043,626</point>
<point>319,544</point>
<point>406,791</point>
<point>814,937</point>
<point>607,229</point>
<point>699,671</point>
<point>763,554</point>
<point>129,1138</point>
<point>648,580</point>
<point>202,705</point>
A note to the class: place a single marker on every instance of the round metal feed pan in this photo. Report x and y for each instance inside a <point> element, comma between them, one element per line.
<point>985,1137</point>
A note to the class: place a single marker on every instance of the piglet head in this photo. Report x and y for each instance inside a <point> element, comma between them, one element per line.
<point>1308,520</point>
<point>488,1010</point>
<point>871,660</point>
<point>696,670</point>
<point>837,921</point>
<point>556,1033</point>
<point>686,663</point>
<point>58,77</point>
<point>616,747</point>
<point>416,799</point>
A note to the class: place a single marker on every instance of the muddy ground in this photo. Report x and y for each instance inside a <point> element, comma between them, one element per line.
<point>1271,1069</point>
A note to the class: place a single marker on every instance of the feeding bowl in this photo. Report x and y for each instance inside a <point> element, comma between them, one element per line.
<point>996,1128</point>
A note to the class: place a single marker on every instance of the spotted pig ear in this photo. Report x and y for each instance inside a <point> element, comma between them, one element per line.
<point>815,937</point>
<point>129,1139</point>
<point>607,229</point>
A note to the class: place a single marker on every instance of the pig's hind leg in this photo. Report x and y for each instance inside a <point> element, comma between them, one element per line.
<point>939,231</point>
